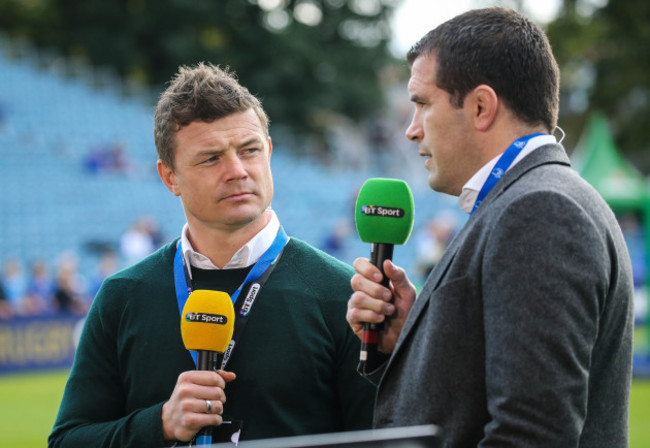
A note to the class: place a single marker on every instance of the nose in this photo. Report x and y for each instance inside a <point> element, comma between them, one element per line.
<point>414,131</point>
<point>235,168</point>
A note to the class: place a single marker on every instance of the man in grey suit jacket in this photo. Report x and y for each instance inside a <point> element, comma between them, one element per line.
<point>522,334</point>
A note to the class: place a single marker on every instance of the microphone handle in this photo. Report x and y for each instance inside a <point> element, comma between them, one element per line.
<point>379,252</point>
<point>207,360</point>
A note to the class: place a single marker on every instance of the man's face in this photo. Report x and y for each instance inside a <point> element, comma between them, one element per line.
<point>442,131</point>
<point>222,172</point>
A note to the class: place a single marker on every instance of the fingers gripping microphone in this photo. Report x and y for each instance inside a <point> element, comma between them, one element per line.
<point>207,325</point>
<point>384,217</point>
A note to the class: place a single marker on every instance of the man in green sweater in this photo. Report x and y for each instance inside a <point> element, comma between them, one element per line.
<point>293,368</point>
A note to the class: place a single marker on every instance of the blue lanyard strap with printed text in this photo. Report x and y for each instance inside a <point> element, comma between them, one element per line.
<point>501,167</point>
<point>183,284</point>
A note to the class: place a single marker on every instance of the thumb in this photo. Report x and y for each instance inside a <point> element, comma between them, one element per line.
<point>227,376</point>
<point>396,275</point>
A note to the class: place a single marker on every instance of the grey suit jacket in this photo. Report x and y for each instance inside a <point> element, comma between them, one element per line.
<point>522,334</point>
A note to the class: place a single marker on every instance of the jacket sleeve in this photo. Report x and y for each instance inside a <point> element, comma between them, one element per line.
<point>545,278</point>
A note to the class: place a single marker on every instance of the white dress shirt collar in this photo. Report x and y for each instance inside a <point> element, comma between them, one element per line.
<point>246,256</point>
<point>473,186</point>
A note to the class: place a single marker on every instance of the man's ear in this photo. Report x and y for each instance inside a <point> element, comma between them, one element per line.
<point>270,147</point>
<point>168,177</point>
<point>484,104</point>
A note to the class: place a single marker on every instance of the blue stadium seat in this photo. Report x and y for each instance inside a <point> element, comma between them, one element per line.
<point>50,204</point>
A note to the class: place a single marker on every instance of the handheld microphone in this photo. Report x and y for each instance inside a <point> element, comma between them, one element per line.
<point>207,325</point>
<point>384,217</point>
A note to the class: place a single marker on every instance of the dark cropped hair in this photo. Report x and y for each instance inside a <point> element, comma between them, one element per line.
<point>502,49</point>
<point>205,93</point>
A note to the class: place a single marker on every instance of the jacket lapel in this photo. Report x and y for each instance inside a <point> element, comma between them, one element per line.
<point>553,153</point>
<point>432,283</point>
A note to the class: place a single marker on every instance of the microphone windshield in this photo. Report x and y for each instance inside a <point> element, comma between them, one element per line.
<point>384,211</point>
<point>208,321</point>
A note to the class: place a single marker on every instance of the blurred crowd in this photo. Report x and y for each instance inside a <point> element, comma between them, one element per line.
<point>42,287</point>
<point>37,289</point>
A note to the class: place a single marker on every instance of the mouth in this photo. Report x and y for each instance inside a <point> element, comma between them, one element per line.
<point>238,196</point>
<point>427,157</point>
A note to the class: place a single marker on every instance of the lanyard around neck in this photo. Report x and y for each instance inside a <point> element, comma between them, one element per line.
<point>258,275</point>
<point>501,167</point>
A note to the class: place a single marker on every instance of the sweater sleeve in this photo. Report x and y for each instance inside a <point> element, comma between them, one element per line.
<point>356,394</point>
<point>92,409</point>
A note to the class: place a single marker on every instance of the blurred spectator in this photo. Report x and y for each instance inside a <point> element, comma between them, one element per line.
<point>631,225</point>
<point>140,240</point>
<point>108,265</point>
<point>379,131</point>
<point>15,285</point>
<point>335,240</point>
<point>157,238</point>
<point>40,289</point>
<point>432,240</point>
<point>111,158</point>
<point>5,308</point>
<point>632,232</point>
<point>379,136</point>
<point>70,290</point>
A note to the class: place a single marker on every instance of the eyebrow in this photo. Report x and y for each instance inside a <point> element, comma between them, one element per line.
<point>206,153</point>
<point>249,141</point>
<point>216,151</point>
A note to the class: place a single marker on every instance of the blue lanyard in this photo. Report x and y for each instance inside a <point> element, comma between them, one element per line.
<point>501,167</point>
<point>183,284</point>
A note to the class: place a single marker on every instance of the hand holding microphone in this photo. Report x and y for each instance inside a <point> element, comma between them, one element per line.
<point>372,302</point>
<point>384,217</point>
<point>207,324</point>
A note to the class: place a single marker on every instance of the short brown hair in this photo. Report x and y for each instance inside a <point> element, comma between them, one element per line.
<point>205,93</point>
<point>502,49</point>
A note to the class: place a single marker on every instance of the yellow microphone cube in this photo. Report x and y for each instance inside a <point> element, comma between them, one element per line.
<point>208,321</point>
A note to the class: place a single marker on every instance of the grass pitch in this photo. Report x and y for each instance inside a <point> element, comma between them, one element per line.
<point>29,403</point>
<point>28,407</point>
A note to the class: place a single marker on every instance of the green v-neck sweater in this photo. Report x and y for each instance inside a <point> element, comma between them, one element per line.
<point>295,363</point>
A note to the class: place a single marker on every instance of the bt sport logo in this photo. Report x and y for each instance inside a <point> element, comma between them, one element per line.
<point>390,212</point>
<point>206,318</point>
